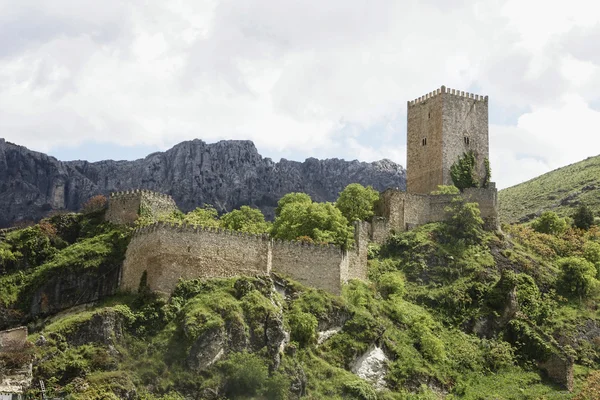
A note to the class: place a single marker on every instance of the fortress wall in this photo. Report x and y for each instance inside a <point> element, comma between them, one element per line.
<point>157,203</point>
<point>323,267</point>
<point>13,339</point>
<point>391,207</point>
<point>357,257</point>
<point>424,143</point>
<point>464,115</point>
<point>169,252</point>
<point>416,210</point>
<point>379,230</point>
<point>125,207</point>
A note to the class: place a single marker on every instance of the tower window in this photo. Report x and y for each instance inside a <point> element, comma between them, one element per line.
<point>424,141</point>
<point>467,140</point>
<point>429,115</point>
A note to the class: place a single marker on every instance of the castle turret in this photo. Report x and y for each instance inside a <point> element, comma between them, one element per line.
<point>442,126</point>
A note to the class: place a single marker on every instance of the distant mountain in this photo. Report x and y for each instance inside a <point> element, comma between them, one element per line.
<point>561,190</point>
<point>227,174</point>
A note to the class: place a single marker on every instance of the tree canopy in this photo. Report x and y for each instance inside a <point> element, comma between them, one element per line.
<point>322,222</point>
<point>246,219</point>
<point>356,202</point>
<point>549,222</point>
<point>583,218</point>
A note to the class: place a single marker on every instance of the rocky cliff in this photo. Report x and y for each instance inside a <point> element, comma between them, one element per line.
<point>227,174</point>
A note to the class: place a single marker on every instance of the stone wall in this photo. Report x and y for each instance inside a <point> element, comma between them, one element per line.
<point>441,126</point>
<point>424,143</point>
<point>13,339</point>
<point>170,252</point>
<point>403,211</point>
<point>465,128</point>
<point>125,207</point>
<point>167,253</point>
<point>322,267</point>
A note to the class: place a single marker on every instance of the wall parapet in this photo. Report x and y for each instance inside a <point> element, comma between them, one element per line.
<point>141,192</point>
<point>445,90</point>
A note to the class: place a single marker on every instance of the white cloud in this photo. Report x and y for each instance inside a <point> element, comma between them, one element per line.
<point>299,78</point>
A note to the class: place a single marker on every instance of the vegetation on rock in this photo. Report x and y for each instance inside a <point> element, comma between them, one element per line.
<point>458,312</point>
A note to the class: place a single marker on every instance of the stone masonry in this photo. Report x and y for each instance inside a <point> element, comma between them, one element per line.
<point>442,126</point>
<point>126,207</point>
<point>167,252</point>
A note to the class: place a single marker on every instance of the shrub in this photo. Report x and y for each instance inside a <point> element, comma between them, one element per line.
<point>591,252</point>
<point>446,189</point>
<point>359,390</point>
<point>577,276</point>
<point>94,204</point>
<point>465,222</point>
<point>303,327</point>
<point>583,218</point>
<point>463,172</point>
<point>246,374</point>
<point>550,223</point>
<point>391,284</point>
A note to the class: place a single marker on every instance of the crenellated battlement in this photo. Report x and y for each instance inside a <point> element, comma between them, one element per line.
<point>142,192</point>
<point>124,207</point>
<point>445,90</point>
<point>195,229</point>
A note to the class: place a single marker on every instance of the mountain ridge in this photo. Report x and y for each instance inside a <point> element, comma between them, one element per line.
<point>226,174</point>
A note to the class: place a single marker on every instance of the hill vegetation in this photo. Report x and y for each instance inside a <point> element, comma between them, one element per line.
<point>449,311</point>
<point>561,191</point>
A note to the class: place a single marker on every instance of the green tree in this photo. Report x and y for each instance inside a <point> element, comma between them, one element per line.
<point>246,219</point>
<point>583,218</point>
<point>356,202</point>
<point>463,172</point>
<point>465,222</point>
<point>322,222</point>
<point>549,222</point>
<point>203,216</point>
<point>289,198</point>
<point>591,252</point>
<point>577,276</point>
<point>446,189</point>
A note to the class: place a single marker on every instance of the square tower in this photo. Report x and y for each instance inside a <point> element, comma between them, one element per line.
<point>441,127</point>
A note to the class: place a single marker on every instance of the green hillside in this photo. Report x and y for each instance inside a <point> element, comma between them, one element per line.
<point>560,190</point>
<point>449,311</point>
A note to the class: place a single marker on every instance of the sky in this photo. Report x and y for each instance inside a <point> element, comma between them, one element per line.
<point>301,78</point>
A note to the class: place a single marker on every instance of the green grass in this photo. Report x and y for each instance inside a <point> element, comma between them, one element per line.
<point>567,185</point>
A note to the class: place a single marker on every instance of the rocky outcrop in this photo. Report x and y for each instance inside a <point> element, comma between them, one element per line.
<point>227,174</point>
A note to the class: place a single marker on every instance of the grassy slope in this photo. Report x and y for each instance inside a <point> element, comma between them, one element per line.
<point>423,290</point>
<point>559,190</point>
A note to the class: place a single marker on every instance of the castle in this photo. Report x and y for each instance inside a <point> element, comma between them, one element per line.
<point>442,126</point>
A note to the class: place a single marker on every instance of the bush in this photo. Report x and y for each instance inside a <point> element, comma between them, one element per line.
<point>465,222</point>
<point>391,284</point>
<point>246,374</point>
<point>583,218</point>
<point>359,390</point>
<point>94,204</point>
<point>463,172</point>
<point>445,189</point>
<point>550,223</point>
<point>303,327</point>
<point>577,276</point>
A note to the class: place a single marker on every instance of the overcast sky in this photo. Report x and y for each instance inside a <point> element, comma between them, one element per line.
<point>119,79</point>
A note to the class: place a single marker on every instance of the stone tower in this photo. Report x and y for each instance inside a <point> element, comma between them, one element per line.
<point>442,126</point>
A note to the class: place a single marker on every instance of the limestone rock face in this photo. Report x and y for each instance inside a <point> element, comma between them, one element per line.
<point>226,174</point>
